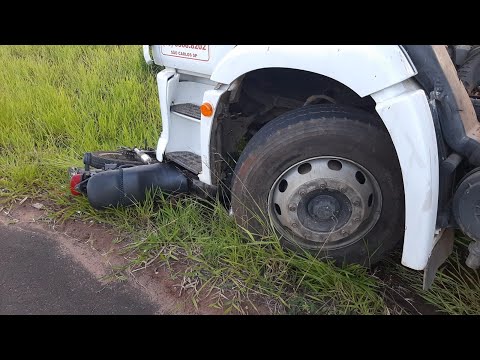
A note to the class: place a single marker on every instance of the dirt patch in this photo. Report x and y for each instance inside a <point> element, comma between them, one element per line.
<point>400,298</point>
<point>92,245</point>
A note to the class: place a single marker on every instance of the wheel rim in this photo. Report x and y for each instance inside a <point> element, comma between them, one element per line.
<point>324,203</point>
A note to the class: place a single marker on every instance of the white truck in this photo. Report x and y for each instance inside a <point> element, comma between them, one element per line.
<point>343,150</point>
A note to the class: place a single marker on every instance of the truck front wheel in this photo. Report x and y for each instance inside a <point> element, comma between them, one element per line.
<point>327,180</point>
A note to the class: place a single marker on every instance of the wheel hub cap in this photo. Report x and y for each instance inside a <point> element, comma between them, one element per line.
<point>326,202</point>
<point>323,207</point>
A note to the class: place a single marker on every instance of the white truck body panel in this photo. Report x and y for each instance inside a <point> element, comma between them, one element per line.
<point>363,68</point>
<point>405,111</point>
<point>379,71</point>
<point>194,59</point>
<point>167,81</point>
<point>211,96</point>
<point>173,91</point>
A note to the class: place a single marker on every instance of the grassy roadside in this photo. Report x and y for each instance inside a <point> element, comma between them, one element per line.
<point>456,289</point>
<point>57,102</point>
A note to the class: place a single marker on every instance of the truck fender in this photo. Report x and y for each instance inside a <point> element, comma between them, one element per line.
<point>363,68</point>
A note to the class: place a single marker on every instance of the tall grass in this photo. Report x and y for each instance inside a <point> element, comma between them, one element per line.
<point>214,260</point>
<point>456,289</point>
<point>57,102</point>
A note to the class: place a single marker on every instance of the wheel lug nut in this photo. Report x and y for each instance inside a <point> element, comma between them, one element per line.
<point>294,225</point>
<point>356,203</point>
<point>292,207</point>
<point>356,219</point>
<point>323,186</point>
<point>344,232</point>
<point>302,193</point>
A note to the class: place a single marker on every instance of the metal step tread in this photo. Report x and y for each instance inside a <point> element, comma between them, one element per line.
<point>190,110</point>
<point>186,159</point>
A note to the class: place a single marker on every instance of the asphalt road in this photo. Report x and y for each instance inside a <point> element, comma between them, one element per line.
<point>36,277</point>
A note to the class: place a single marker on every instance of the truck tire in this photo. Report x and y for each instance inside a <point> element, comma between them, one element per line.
<point>327,180</point>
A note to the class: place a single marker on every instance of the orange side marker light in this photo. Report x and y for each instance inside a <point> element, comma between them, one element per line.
<point>206,109</point>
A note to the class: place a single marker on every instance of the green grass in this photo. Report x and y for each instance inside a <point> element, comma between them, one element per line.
<point>57,102</point>
<point>456,289</point>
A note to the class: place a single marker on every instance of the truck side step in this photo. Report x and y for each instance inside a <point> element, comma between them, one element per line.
<point>186,159</point>
<point>189,110</point>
